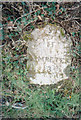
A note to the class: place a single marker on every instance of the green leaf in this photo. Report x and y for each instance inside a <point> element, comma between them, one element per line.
<point>53,3</point>
<point>42,15</point>
<point>32,27</point>
<point>53,17</point>
<point>44,5</point>
<point>46,9</point>
<point>50,13</point>
<point>63,9</point>
<point>74,54</point>
<point>29,21</point>
<point>35,13</point>
<point>60,13</point>
<point>23,3</point>
<point>38,12</point>
<point>29,16</point>
<point>73,33</point>
<point>24,20</point>
<point>36,18</point>
<point>9,18</point>
<point>49,9</point>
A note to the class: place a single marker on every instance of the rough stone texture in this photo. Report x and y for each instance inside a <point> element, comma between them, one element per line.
<point>49,55</point>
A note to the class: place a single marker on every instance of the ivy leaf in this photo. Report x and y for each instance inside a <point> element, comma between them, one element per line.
<point>49,9</point>
<point>32,27</point>
<point>44,5</point>
<point>23,3</point>
<point>42,15</point>
<point>73,33</point>
<point>53,17</point>
<point>29,21</point>
<point>38,12</point>
<point>46,9</point>
<point>23,19</point>
<point>53,3</point>
<point>36,18</point>
<point>28,16</point>
<point>74,54</point>
<point>60,13</point>
<point>63,9</point>
<point>35,13</point>
<point>9,18</point>
<point>50,13</point>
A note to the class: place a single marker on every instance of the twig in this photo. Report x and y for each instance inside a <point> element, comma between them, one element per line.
<point>15,8</point>
<point>17,58</point>
<point>27,14</point>
<point>18,107</point>
<point>76,53</point>
<point>73,8</point>
<point>28,24</point>
<point>77,22</point>
<point>72,18</point>
<point>7,9</point>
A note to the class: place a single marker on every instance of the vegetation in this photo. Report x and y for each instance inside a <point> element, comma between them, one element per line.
<point>53,101</point>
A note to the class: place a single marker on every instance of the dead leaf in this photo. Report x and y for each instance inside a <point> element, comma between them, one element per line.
<point>57,6</point>
<point>39,17</point>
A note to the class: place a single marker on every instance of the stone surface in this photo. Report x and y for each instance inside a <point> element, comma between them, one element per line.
<point>49,55</point>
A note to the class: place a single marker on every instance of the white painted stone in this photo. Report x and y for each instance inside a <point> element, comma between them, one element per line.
<point>49,55</point>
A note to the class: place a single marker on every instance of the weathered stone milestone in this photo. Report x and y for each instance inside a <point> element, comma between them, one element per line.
<point>49,55</point>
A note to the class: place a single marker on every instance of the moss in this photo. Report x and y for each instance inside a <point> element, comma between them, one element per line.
<point>62,32</point>
<point>45,23</point>
<point>27,36</point>
<point>54,24</point>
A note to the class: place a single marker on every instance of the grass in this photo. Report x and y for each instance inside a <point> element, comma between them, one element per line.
<point>57,101</point>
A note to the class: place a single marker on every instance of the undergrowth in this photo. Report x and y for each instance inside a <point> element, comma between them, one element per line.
<point>50,101</point>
